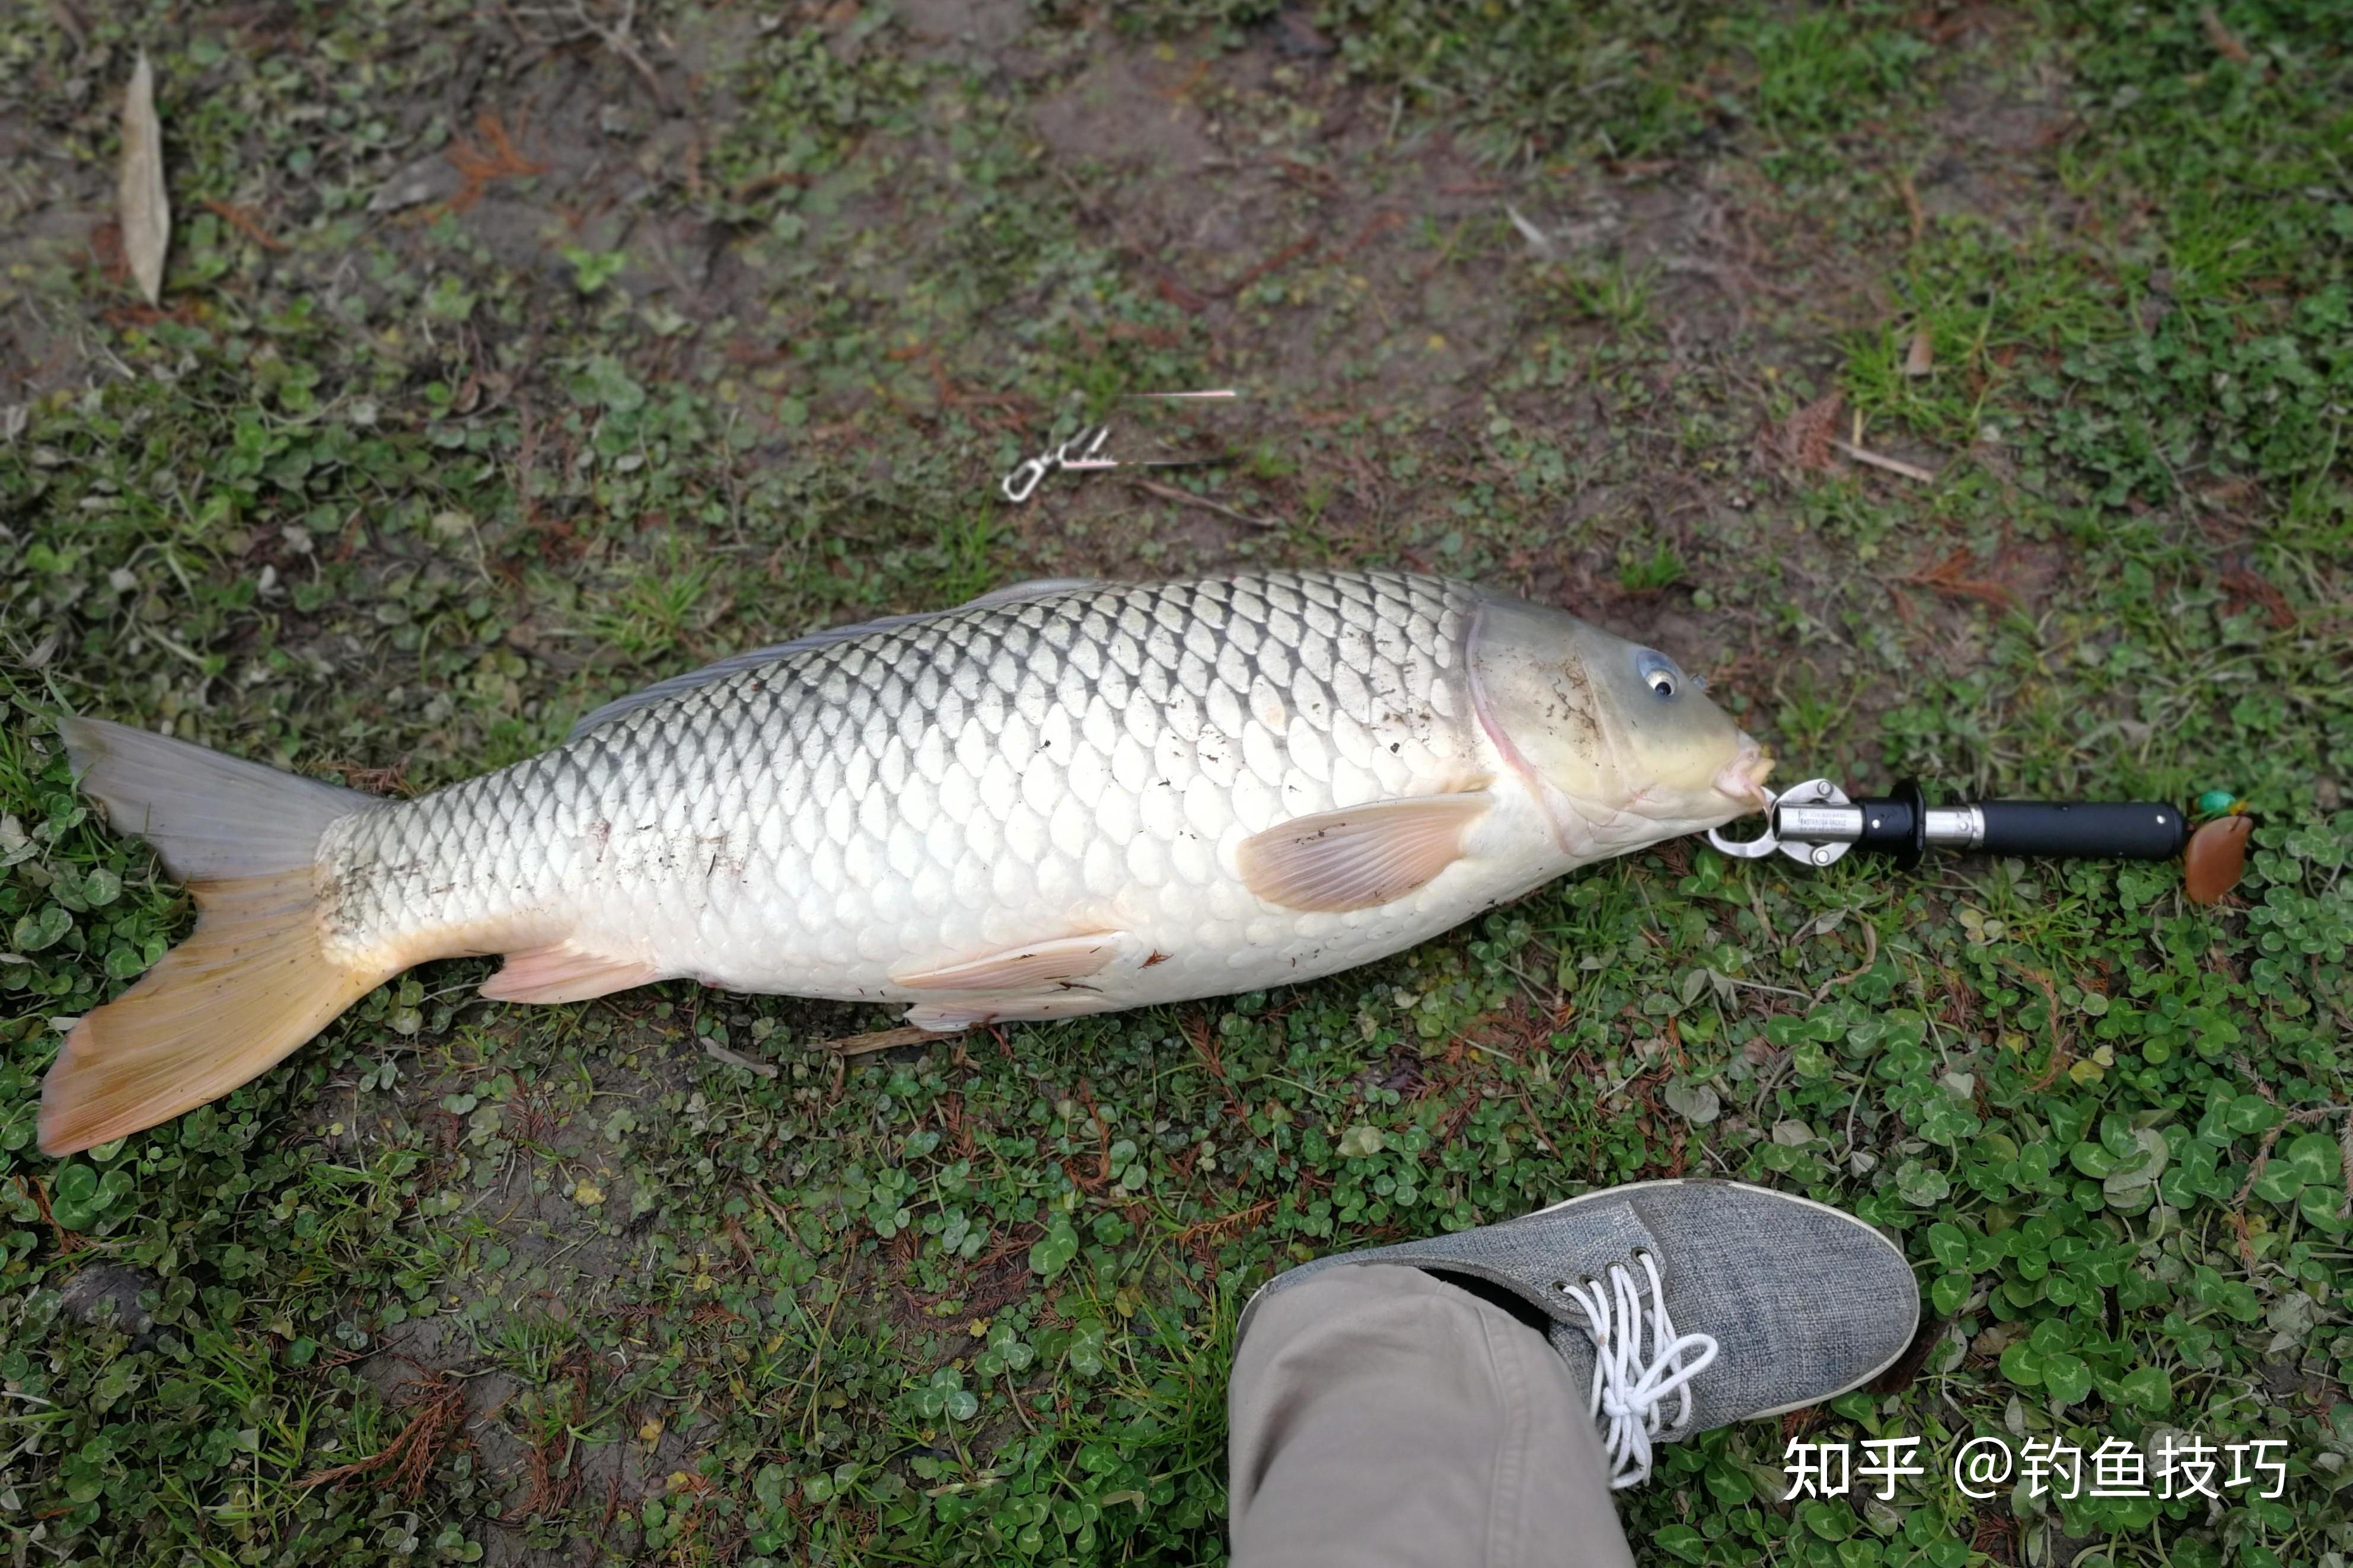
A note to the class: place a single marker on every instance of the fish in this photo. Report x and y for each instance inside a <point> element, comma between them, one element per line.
<point>1064,797</point>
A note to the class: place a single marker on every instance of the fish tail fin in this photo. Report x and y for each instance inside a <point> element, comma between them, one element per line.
<point>254,980</point>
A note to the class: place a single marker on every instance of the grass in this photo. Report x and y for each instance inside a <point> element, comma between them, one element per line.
<point>393,492</point>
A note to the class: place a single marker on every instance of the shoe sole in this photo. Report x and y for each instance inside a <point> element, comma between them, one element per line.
<point>1870,1376</point>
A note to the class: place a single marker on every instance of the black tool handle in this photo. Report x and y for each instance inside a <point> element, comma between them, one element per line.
<point>2090,830</point>
<point>1897,826</point>
<point>1904,826</point>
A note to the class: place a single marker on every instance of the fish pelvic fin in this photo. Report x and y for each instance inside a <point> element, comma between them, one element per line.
<point>253,982</point>
<point>1055,962</point>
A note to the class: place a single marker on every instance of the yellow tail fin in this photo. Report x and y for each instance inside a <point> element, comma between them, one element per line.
<point>223,1007</point>
<point>251,983</point>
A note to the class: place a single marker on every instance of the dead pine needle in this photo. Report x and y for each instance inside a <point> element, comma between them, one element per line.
<point>243,220</point>
<point>437,1416</point>
<point>1226,1225</point>
<point>1951,577</point>
<point>495,158</point>
<point>1275,263</point>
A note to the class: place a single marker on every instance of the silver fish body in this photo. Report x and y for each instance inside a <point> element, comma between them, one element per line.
<point>905,815</point>
<point>1062,798</point>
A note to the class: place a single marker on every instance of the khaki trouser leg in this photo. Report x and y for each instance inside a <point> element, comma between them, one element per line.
<point>1382,1418</point>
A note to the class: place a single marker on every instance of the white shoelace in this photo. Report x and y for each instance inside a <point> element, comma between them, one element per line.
<point>1628,1388</point>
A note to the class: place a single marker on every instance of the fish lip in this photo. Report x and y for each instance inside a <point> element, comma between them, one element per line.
<point>1743,778</point>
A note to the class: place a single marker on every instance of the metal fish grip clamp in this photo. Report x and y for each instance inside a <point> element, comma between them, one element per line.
<point>1816,824</point>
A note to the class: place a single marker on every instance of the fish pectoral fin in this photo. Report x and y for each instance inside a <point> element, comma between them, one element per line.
<point>1033,967</point>
<point>561,972</point>
<point>1360,856</point>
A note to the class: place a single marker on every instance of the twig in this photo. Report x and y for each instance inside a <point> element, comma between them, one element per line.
<point>1876,460</point>
<point>1538,240</point>
<point>1170,492</point>
<point>1913,211</point>
<point>242,220</point>
<point>1733,278</point>
<point>718,1052</point>
<point>1281,258</point>
<point>2226,43</point>
<point>888,1039</point>
<point>2345,1165</point>
<point>617,38</point>
<point>1379,223</point>
<point>1013,1397</point>
<point>1870,957</point>
<point>71,23</point>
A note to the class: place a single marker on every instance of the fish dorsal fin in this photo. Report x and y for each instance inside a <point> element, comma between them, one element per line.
<point>736,664</point>
<point>1361,856</point>
<point>1022,592</point>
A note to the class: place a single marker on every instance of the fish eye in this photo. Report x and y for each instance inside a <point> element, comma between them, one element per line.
<point>1660,673</point>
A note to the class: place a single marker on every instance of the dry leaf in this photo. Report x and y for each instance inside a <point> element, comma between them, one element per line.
<point>1951,576</point>
<point>1922,356</point>
<point>146,211</point>
<point>1805,436</point>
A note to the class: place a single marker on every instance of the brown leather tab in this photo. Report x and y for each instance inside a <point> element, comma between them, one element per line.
<point>2216,856</point>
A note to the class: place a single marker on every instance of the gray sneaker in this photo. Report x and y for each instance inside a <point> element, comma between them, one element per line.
<point>1722,1301</point>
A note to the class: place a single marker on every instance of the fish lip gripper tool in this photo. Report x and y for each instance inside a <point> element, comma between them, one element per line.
<point>1815,824</point>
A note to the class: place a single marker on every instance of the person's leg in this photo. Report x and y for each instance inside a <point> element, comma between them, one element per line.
<point>1381,1416</point>
<point>1469,1399</point>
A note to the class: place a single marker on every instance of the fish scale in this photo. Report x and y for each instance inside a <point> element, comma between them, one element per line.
<point>990,776</point>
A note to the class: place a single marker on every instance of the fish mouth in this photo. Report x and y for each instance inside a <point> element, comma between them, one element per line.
<point>1743,778</point>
